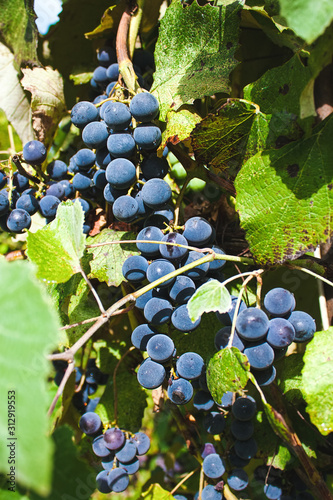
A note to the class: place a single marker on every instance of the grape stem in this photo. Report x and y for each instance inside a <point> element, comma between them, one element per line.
<point>125,64</point>
<point>232,258</point>
<point>69,370</point>
<point>134,27</point>
<point>178,485</point>
<point>21,170</point>
<point>93,291</point>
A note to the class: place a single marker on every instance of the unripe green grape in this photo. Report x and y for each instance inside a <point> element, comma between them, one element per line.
<point>178,172</point>
<point>196,185</point>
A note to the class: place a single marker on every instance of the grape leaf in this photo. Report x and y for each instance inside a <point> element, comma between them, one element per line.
<point>28,329</point>
<point>226,139</point>
<point>72,478</point>
<point>58,247</point>
<point>317,380</point>
<point>81,305</point>
<point>47,100</point>
<point>131,399</point>
<point>307,19</point>
<point>289,376</point>
<point>13,100</point>
<point>180,124</point>
<point>108,259</point>
<point>279,89</point>
<point>285,197</point>
<point>211,296</point>
<point>227,370</point>
<point>111,17</point>
<point>18,30</point>
<point>203,68</point>
<point>156,492</point>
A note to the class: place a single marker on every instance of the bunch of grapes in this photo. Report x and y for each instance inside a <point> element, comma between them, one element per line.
<point>119,452</point>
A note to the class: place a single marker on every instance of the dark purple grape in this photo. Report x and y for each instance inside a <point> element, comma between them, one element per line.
<point>213,466</point>
<point>90,423</point>
<point>172,252</point>
<point>180,391</point>
<point>281,333</point>
<point>34,152</point>
<point>114,439</point>
<point>151,374</point>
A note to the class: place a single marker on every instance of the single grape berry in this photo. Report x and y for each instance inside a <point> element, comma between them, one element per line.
<point>144,107</point>
<point>252,324</point>
<point>114,439</point>
<point>34,152</point>
<point>279,302</point>
<point>213,466</point>
<point>180,391</point>
<point>244,408</point>
<point>90,423</point>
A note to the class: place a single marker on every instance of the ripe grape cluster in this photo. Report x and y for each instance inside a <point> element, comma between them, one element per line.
<point>117,138</point>
<point>265,336</point>
<point>119,452</point>
<point>167,303</point>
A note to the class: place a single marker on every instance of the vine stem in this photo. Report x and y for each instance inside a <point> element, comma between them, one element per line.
<point>201,483</point>
<point>232,258</point>
<point>315,275</point>
<point>69,370</point>
<point>125,64</point>
<point>322,299</point>
<point>183,480</point>
<point>16,160</point>
<point>93,291</point>
<point>115,394</point>
<point>134,27</point>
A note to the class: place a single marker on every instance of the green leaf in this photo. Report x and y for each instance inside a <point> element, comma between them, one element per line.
<point>58,247</point>
<point>289,376</point>
<point>307,19</point>
<point>280,459</point>
<point>201,339</point>
<point>82,305</point>
<point>19,31</point>
<point>317,380</point>
<point>285,197</point>
<point>108,259</point>
<point>111,17</point>
<point>211,296</point>
<point>132,401</point>
<point>227,370</point>
<point>156,492</point>
<point>72,478</point>
<point>195,61</point>
<point>109,21</point>
<point>13,100</point>
<point>279,89</point>
<point>28,330</point>
<point>81,78</point>
<point>47,100</point>
<point>229,137</point>
<point>180,124</point>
